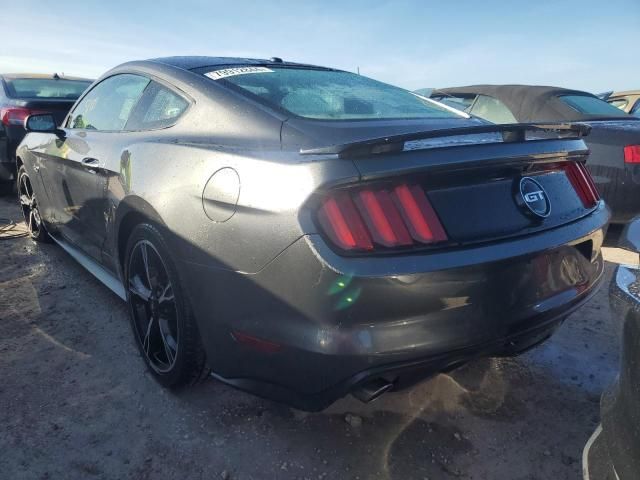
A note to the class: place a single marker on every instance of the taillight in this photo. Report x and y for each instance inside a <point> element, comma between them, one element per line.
<point>582,183</point>
<point>16,115</point>
<point>370,218</point>
<point>632,154</point>
<point>341,221</point>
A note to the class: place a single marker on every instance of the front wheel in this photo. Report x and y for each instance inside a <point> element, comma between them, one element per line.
<point>30,208</point>
<point>162,322</point>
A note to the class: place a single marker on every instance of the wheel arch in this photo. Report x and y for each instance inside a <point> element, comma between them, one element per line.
<point>132,211</point>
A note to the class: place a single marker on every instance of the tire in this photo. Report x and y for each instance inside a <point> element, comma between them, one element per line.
<point>161,318</point>
<point>30,209</point>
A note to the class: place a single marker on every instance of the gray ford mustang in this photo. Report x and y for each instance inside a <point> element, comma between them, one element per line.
<point>304,232</point>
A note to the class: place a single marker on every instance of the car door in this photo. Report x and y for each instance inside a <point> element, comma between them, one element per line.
<point>159,108</point>
<point>74,171</point>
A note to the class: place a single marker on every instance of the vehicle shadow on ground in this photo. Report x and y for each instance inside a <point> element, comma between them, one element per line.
<point>487,418</point>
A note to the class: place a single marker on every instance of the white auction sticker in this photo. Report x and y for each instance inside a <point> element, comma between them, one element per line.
<point>230,72</point>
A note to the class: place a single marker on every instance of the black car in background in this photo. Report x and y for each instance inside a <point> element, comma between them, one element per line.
<point>23,94</point>
<point>613,452</point>
<point>614,140</point>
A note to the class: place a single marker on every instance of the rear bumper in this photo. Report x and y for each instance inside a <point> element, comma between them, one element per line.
<point>400,373</point>
<point>334,322</point>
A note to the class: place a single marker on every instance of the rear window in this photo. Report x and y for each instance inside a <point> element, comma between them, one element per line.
<point>591,106</point>
<point>483,106</point>
<point>461,103</point>
<point>328,95</point>
<point>492,109</point>
<point>45,88</point>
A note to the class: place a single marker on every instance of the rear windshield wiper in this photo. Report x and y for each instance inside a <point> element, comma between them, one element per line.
<point>511,133</point>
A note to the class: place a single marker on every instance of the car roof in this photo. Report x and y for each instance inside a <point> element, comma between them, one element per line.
<point>626,93</point>
<point>11,76</point>
<point>529,103</point>
<point>500,90</point>
<point>195,62</point>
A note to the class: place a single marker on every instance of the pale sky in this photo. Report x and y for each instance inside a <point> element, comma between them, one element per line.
<point>583,44</point>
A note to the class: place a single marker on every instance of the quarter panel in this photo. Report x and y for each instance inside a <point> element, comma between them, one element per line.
<point>171,178</point>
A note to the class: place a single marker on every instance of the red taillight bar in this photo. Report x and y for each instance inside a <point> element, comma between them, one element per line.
<point>632,154</point>
<point>365,219</point>
<point>341,221</point>
<point>382,218</point>
<point>421,218</point>
<point>582,183</point>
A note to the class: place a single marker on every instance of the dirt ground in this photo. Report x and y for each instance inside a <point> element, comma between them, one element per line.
<point>76,401</point>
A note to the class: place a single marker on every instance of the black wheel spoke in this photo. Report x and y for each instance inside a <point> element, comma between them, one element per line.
<point>139,289</point>
<point>145,261</point>
<point>146,342</point>
<point>24,183</point>
<point>166,295</point>
<point>167,343</point>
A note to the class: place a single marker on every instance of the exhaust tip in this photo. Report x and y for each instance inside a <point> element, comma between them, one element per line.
<point>372,390</point>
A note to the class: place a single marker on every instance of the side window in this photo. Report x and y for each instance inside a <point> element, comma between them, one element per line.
<point>108,105</point>
<point>636,109</point>
<point>159,107</point>
<point>492,109</point>
<point>620,103</point>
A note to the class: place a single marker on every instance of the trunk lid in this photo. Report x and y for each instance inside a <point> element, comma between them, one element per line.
<point>474,182</point>
<point>475,190</point>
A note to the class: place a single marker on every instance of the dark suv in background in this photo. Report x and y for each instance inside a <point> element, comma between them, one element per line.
<point>22,94</point>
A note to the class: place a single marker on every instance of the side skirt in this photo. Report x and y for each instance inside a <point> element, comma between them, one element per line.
<point>106,277</point>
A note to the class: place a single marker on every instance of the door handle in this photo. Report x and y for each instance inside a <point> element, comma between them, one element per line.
<point>90,162</point>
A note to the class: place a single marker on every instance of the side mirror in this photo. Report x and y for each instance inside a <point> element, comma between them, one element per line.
<point>41,122</point>
<point>630,238</point>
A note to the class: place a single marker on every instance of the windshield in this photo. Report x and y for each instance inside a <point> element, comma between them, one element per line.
<point>45,88</point>
<point>329,95</point>
<point>592,106</point>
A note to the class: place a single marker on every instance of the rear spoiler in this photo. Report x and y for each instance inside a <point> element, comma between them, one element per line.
<point>511,133</point>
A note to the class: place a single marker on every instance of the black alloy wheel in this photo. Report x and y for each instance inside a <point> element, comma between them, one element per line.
<point>30,210</point>
<point>162,322</point>
<point>153,306</point>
